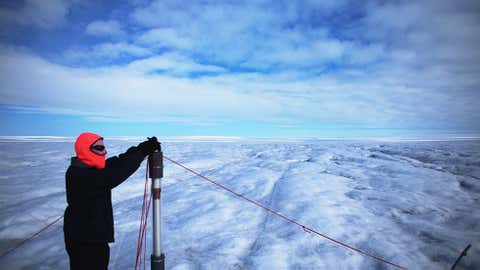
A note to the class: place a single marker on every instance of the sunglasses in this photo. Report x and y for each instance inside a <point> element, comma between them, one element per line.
<point>97,147</point>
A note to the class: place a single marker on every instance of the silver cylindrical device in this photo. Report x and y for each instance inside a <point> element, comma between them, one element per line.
<point>157,217</point>
<point>155,161</point>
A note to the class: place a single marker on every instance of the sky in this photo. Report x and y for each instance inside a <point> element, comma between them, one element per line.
<point>239,68</point>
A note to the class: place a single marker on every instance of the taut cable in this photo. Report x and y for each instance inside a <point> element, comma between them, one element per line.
<point>304,227</point>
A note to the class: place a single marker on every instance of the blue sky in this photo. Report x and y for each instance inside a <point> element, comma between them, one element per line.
<point>234,68</point>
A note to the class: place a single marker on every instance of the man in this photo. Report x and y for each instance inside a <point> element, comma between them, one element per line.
<point>88,220</point>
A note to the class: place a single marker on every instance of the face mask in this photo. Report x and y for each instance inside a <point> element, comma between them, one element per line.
<point>83,146</point>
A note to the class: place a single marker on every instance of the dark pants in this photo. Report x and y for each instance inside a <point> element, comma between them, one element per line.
<point>88,256</point>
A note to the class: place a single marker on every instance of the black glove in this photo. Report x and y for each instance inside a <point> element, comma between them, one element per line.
<point>147,147</point>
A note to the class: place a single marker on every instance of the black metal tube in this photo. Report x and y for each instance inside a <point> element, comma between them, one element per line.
<point>155,163</point>
<point>157,263</point>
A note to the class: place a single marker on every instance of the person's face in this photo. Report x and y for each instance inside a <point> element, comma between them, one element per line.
<point>99,144</point>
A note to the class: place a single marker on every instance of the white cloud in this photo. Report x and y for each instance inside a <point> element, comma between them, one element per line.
<point>44,14</point>
<point>253,36</point>
<point>221,32</point>
<point>32,81</point>
<point>109,28</point>
<point>308,54</point>
<point>113,50</point>
<point>145,63</point>
<point>161,13</point>
<point>165,37</point>
<point>272,34</point>
<point>171,63</point>
<point>133,92</point>
<point>105,51</point>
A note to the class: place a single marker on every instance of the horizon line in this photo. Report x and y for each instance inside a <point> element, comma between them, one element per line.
<point>393,138</point>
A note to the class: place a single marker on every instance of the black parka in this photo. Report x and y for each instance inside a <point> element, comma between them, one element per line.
<point>89,216</point>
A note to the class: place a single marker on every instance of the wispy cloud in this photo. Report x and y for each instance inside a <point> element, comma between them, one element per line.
<point>109,28</point>
<point>171,63</point>
<point>105,53</point>
<point>165,38</point>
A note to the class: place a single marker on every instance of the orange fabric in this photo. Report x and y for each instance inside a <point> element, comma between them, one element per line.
<point>84,154</point>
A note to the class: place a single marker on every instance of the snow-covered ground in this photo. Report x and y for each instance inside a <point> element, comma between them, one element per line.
<point>415,203</point>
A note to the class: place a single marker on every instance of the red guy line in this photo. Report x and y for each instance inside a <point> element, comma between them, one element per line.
<point>305,228</point>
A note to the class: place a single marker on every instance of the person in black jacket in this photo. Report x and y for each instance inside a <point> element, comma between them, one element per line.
<point>88,220</point>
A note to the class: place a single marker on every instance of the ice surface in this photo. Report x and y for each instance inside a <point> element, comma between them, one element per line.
<point>412,202</point>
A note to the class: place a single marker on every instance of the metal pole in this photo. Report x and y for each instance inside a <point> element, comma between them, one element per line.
<point>156,173</point>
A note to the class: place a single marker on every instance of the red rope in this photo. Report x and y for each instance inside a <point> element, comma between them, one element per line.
<point>142,241</point>
<point>305,228</point>
<point>145,231</point>
<point>33,236</point>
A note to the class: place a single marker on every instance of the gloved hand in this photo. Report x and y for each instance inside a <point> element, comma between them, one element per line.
<point>147,147</point>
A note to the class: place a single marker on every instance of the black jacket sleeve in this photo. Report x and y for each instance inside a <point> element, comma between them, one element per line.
<point>117,169</point>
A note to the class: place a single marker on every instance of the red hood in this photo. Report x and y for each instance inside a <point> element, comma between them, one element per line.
<point>82,148</point>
